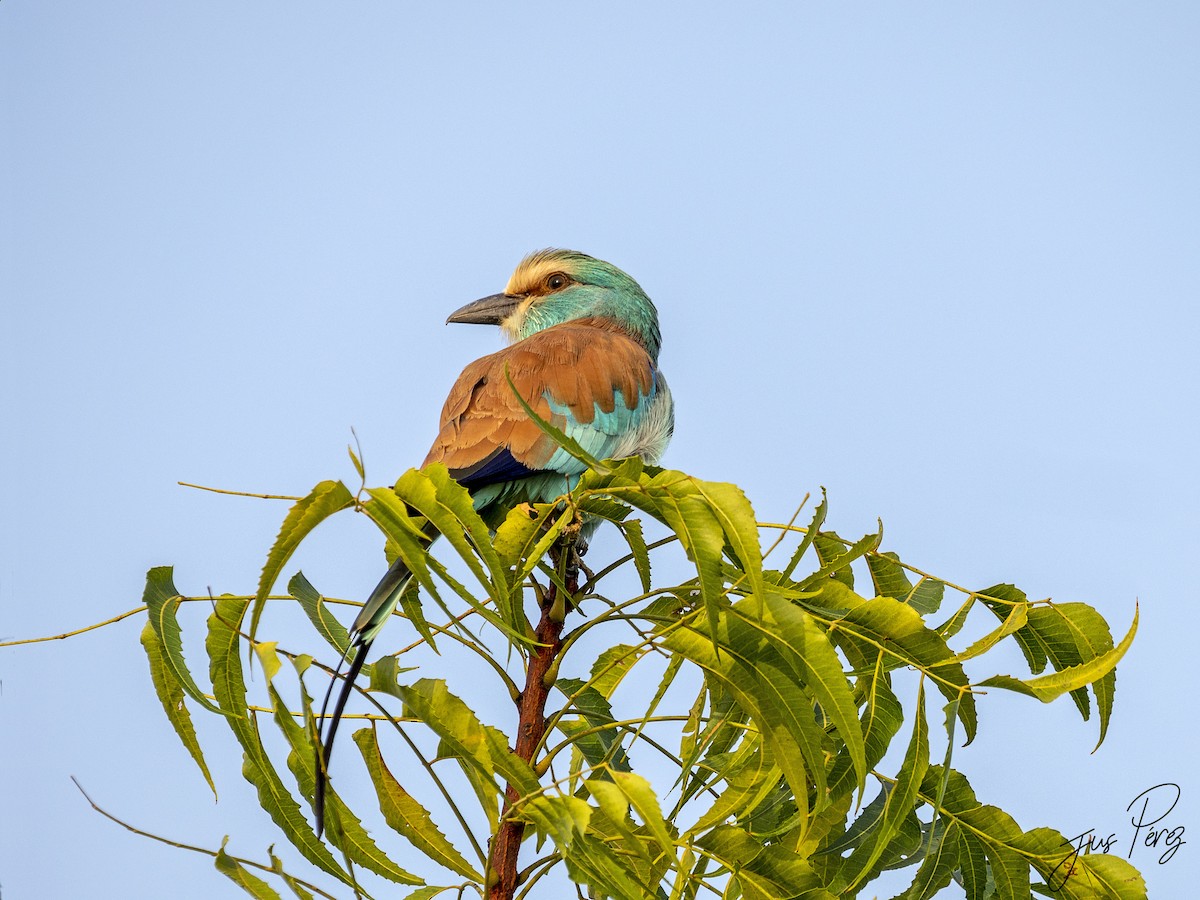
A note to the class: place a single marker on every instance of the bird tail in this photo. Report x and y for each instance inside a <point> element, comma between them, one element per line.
<point>374,614</point>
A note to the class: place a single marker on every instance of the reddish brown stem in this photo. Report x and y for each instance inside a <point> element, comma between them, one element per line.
<point>530,729</point>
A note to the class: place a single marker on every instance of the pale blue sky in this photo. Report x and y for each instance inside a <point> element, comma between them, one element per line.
<point>943,259</point>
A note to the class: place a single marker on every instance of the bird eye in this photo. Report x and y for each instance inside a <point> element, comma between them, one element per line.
<point>557,281</point>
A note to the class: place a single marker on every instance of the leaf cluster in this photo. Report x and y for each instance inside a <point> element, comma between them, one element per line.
<point>750,732</point>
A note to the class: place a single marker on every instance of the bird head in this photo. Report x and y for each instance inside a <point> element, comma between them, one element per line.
<point>550,287</point>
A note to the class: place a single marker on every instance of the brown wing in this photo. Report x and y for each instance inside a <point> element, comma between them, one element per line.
<point>579,365</point>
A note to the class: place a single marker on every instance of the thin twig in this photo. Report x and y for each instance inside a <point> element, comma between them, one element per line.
<point>67,634</point>
<point>213,490</point>
<point>204,850</point>
<point>141,609</point>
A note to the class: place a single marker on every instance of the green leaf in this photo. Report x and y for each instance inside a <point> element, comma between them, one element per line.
<point>836,557</point>
<point>937,866</point>
<point>602,746</point>
<point>632,531</point>
<point>676,499</point>
<point>888,576</point>
<point>292,883</point>
<point>229,687</point>
<point>640,794</point>
<point>763,873</point>
<point>881,718</point>
<point>736,515</point>
<point>306,514</point>
<point>593,862</point>
<point>411,542</point>
<point>358,466</point>
<point>611,667</point>
<point>406,816</point>
<point>170,694</point>
<point>565,819</point>
<point>899,801</point>
<point>1052,686</point>
<point>762,680</point>
<point>816,664</point>
<point>926,597</point>
<point>1018,616</point>
<point>613,809</point>
<point>448,507</point>
<point>324,621</point>
<point>484,746</point>
<point>162,600</point>
<point>238,874</point>
<point>835,561</point>
<point>385,674</point>
<point>814,528</point>
<point>1000,598</point>
<point>1071,876</point>
<point>518,533</point>
<point>749,780</point>
<point>990,843</point>
<point>345,829</point>
<point>887,625</point>
<point>269,657</point>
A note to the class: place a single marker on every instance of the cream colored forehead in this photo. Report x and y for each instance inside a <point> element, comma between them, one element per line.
<point>531,273</point>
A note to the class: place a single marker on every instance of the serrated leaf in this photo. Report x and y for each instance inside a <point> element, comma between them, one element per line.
<point>1073,876</point>
<point>774,700</point>
<point>888,576</point>
<point>613,665</point>
<point>613,806</point>
<point>162,600</point>
<point>448,507</point>
<point>937,867</point>
<point>1018,616</point>
<point>926,597</point>
<point>171,694</point>
<point>640,794</point>
<point>517,534</point>
<point>763,873</point>
<point>603,744</point>
<point>563,818</point>
<point>820,670</point>
<point>485,746</point>
<point>345,830</point>
<point>836,555</point>
<point>881,718</point>
<point>900,798</point>
<point>1052,686</point>
<point>229,687</point>
<point>814,528</point>
<point>835,561</point>
<point>307,513</point>
<point>632,531</point>
<point>239,875</point>
<point>750,778</point>
<point>390,515</point>
<point>406,816</point>
<point>884,624</point>
<point>267,655</point>
<point>736,516</point>
<point>292,883</point>
<point>324,621</point>
<point>385,674</point>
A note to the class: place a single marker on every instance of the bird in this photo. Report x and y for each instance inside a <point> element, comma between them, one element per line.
<point>583,350</point>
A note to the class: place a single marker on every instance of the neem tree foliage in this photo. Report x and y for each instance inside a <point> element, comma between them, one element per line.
<point>798,669</point>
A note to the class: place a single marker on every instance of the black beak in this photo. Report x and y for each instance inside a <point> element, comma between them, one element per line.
<point>488,311</point>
